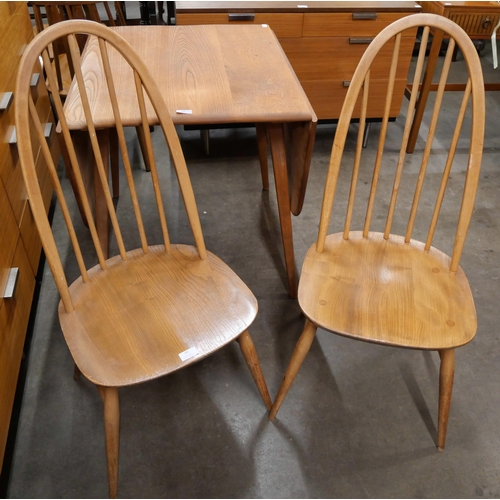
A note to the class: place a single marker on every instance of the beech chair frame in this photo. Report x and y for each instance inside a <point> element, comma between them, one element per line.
<point>332,275</point>
<point>167,272</point>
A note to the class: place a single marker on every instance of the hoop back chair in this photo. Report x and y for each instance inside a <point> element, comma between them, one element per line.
<point>382,287</point>
<point>145,312</point>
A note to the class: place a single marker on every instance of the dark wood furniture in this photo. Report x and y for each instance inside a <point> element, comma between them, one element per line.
<point>20,246</point>
<point>223,75</point>
<point>323,41</point>
<point>478,19</point>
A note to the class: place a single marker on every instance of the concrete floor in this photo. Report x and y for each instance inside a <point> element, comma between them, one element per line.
<point>360,419</point>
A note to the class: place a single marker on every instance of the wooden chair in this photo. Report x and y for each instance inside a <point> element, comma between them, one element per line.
<point>378,286</point>
<point>146,312</point>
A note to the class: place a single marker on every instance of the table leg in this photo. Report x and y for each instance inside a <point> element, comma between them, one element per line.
<point>101,210</point>
<point>278,154</point>
<point>424,91</point>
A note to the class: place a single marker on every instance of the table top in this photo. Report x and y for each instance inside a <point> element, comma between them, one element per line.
<point>222,74</point>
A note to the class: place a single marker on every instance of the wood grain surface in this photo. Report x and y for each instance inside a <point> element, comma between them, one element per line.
<point>148,303</point>
<point>223,74</point>
<point>388,292</point>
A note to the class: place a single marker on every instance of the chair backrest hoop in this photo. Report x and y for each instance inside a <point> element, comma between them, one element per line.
<point>469,52</point>
<point>22,118</point>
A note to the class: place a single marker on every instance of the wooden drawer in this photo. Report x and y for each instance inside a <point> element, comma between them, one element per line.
<point>327,98</point>
<point>283,25</point>
<point>335,58</point>
<point>14,316</point>
<point>9,234</point>
<point>348,24</point>
<point>29,232</point>
<point>476,24</point>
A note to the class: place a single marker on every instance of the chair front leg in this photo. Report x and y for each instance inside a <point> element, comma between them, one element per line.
<point>298,356</point>
<point>446,374</point>
<point>112,432</point>
<point>250,355</point>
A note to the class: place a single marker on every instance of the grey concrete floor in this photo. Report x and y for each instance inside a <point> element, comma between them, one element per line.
<point>360,419</point>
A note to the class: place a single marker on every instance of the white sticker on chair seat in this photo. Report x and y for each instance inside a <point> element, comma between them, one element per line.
<point>184,111</point>
<point>193,351</point>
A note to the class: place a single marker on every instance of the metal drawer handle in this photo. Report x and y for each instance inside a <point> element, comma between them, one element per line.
<point>360,41</point>
<point>46,132</point>
<point>34,79</point>
<point>364,16</point>
<point>11,283</point>
<point>487,24</point>
<point>346,83</point>
<point>6,101</point>
<point>241,17</point>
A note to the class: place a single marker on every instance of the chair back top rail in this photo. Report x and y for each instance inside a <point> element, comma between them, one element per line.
<point>26,112</point>
<point>360,87</point>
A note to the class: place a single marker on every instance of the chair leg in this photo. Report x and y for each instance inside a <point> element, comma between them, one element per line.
<point>262,146</point>
<point>250,355</point>
<point>446,374</point>
<point>112,432</point>
<point>298,356</point>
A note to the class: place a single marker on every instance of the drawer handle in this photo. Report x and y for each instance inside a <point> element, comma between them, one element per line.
<point>346,83</point>
<point>360,41</point>
<point>241,17</point>
<point>487,24</point>
<point>46,132</point>
<point>6,101</point>
<point>364,16</point>
<point>34,79</point>
<point>11,283</point>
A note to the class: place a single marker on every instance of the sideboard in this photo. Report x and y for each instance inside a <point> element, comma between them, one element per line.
<point>20,246</point>
<point>324,42</point>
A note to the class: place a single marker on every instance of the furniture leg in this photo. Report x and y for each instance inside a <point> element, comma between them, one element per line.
<point>424,91</point>
<point>101,210</point>
<point>112,433</point>
<point>144,147</point>
<point>298,356</point>
<point>205,137</point>
<point>250,355</point>
<point>446,373</point>
<point>278,154</point>
<point>114,162</point>
<point>262,146</point>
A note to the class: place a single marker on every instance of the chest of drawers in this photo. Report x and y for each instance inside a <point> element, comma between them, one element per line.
<point>323,41</point>
<point>20,246</point>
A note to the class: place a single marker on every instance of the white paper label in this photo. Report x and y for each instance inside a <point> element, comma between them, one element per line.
<point>193,351</point>
<point>184,111</point>
<point>302,6</point>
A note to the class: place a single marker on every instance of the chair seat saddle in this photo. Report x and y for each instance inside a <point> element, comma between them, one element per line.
<point>145,304</point>
<point>387,291</point>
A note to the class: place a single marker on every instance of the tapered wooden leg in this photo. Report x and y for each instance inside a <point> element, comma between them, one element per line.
<point>144,147</point>
<point>446,373</point>
<point>114,162</point>
<point>250,354</point>
<point>262,145</point>
<point>112,432</point>
<point>278,154</point>
<point>298,356</point>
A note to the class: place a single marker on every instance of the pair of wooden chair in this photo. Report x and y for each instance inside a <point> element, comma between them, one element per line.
<point>152,310</point>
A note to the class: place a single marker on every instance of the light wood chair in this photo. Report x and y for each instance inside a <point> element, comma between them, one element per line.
<point>382,287</point>
<point>146,312</point>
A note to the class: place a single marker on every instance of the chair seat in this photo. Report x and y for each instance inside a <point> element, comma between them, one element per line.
<point>388,292</point>
<point>132,321</point>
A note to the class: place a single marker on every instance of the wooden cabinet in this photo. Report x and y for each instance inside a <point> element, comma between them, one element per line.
<point>324,42</point>
<point>20,245</point>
